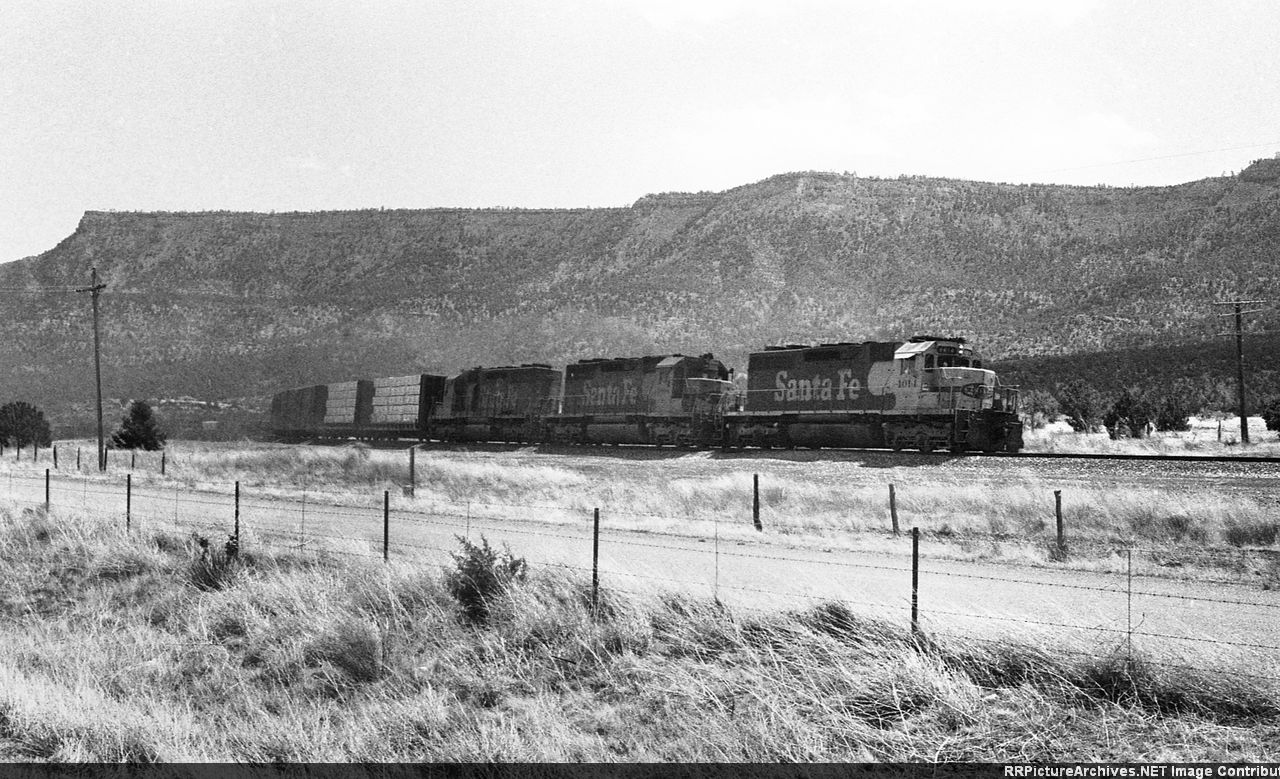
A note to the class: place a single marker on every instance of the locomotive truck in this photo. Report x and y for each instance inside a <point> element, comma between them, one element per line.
<point>927,393</point>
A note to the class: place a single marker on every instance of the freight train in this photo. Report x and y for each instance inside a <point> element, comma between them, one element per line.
<point>928,393</point>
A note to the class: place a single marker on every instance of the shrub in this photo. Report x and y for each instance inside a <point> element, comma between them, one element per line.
<point>480,576</point>
<point>1038,408</point>
<point>1173,414</point>
<point>1252,533</point>
<point>23,424</point>
<point>1271,414</point>
<point>138,429</point>
<point>1081,404</point>
<point>1129,416</point>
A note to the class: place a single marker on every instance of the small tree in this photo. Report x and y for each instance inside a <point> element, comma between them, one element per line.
<point>1173,414</point>
<point>138,429</point>
<point>1128,417</point>
<point>22,424</point>
<point>1081,404</point>
<point>1271,414</point>
<point>1038,408</point>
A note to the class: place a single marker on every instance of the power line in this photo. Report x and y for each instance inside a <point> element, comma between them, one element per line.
<point>1272,144</point>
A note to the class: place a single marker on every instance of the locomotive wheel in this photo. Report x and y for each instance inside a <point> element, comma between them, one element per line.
<point>895,443</point>
<point>924,444</point>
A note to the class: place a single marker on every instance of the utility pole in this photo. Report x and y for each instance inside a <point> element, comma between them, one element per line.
<point>1238,312</point>
<point>94,289</point>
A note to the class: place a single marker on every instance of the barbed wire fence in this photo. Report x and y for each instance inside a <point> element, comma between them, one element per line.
<point>721,560</point>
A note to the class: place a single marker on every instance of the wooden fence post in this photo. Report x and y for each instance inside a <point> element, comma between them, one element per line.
<point>595,562</point>
<point>893,509</point>
<point>1057,508</point>
<point>755,501</point>
<point>915,580</point>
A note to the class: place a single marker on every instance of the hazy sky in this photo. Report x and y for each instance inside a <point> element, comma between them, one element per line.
<point>319,105</point>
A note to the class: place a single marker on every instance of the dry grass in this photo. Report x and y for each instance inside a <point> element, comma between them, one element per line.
<point>809,499</point>
<point>1207,437</point>
<point>110,650</point>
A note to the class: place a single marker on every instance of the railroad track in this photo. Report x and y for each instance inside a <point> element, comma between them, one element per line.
<point>939,455</point>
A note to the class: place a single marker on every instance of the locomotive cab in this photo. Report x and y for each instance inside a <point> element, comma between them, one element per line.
<point>944,379</point>
<point>942,375</point>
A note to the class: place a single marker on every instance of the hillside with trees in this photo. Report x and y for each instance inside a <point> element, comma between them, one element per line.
<point>1043,278</point>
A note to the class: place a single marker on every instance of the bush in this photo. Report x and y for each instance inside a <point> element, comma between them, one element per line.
<point>1081,404</point>
<point>138,429</point>
<point>1038,408</point>
<point>480,576</point>
<point>1271,414</point>
<point>1173,414</point>
<point>23,424</point>
<point>1129,416</point>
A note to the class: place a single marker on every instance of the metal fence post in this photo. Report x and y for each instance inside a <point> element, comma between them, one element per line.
<point>386,525</point>
<point>55,457</point>
<point>893,509</point>
<point>237,528</point>
<point>595,562</point>
<point>77,458</point>
<point>915,580</point>
<point>133,460</point>
<point>128,502</point>
<point>46,490</point>
<point>755,501</point>
<point>163,457</point>
<point>413,478</point>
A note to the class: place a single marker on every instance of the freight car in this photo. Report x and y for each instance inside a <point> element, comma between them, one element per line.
<point>403,406</point>
<point>927,393</point>
<point>298,413</point>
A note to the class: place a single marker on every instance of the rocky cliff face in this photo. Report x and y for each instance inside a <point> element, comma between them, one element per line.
<point>234,304</point>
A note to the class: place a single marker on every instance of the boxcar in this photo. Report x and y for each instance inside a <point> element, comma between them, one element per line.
<point>298,413</point>
<point>348,409</point>
<point>402,406</point>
